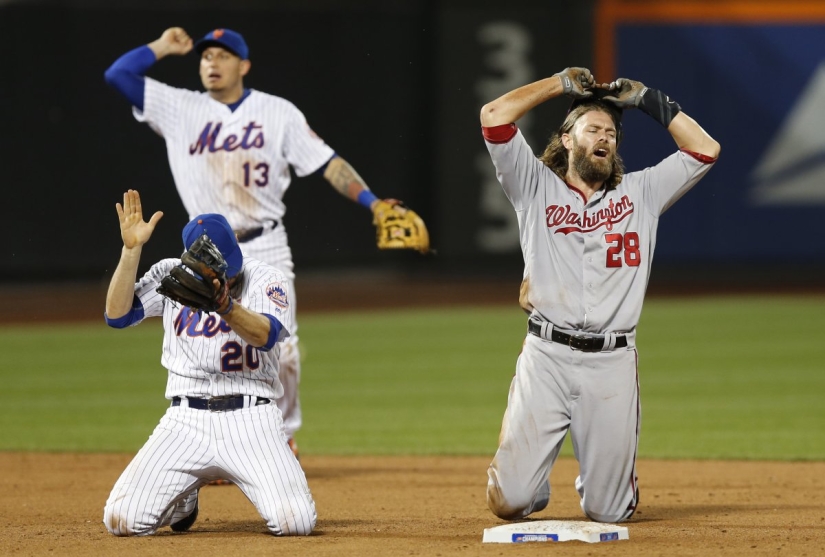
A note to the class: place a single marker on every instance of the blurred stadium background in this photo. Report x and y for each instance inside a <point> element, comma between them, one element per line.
<point>395,88</point>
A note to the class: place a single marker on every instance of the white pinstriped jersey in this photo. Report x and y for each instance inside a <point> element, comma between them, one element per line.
<point>234,163</point>
<point>588,263</point>
<point>205,358</point>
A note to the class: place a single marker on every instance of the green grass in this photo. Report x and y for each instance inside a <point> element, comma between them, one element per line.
<point>81,387</point>
<point>734,377</point>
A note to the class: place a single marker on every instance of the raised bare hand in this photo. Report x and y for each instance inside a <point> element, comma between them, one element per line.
<point>133,229</point>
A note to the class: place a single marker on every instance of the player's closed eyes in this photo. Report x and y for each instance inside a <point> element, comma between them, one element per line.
<point>219,56</point>
<point>611,134</point>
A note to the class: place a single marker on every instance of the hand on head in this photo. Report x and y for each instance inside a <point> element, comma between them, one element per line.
<point>579,83</point>
<point>175,41</point>
<point>624,93</point>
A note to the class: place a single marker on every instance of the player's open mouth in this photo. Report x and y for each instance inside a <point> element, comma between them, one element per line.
<point>601,153</point>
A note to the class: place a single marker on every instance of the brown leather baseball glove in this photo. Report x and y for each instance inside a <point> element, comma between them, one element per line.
<point>192,282</point>
<point>399,227</point>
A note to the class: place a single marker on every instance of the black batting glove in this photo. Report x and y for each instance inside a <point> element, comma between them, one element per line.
<point>576,82</point>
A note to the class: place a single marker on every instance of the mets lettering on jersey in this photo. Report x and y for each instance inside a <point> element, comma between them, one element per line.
<point>189,320</point>
<point>208,139</point>
<point>236,163</point>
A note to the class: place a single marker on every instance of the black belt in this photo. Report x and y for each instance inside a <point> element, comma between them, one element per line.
<point>252,233</point>
<point>576,342</point>
<point>218,403</point>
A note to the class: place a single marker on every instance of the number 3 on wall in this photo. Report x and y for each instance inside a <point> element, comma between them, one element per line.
<point>623,244</point>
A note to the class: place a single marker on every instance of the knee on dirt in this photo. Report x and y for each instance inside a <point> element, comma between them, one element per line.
<point>297,518</point>
<point>609,517</point>
<point>121,525</point>
<point>515,504</point>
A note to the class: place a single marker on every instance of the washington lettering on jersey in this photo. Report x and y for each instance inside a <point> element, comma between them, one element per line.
<point>208,139</point>
<point>558,215</point>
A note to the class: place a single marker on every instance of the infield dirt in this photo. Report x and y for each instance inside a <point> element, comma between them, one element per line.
<point>52,504</point>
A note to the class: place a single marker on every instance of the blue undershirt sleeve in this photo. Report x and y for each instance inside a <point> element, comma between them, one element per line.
<point>126,75</point>
<point>135,315</point>
<point>275,328</point>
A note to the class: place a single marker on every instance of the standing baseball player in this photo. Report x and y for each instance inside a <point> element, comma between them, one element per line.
<point>230,150</point>
<point>588,232</point>
<point>222,383</point>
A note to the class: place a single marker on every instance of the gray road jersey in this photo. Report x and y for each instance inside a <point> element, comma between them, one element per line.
<point>587,265</point>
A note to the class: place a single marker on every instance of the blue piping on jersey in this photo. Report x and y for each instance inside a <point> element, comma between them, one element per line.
<point>134,316</point>
<point>237,103</point>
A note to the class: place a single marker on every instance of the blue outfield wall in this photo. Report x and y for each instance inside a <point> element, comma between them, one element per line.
<point>760,91</point>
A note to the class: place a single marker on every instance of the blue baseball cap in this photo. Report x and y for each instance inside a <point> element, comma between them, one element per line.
<point>224,38</point>
<point>217,228</point>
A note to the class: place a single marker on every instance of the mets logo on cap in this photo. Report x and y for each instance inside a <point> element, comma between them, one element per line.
<point>226,38</point>
<point>277,293</point>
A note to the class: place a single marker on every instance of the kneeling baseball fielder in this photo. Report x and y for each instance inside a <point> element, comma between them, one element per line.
<point>222,362</point>
<point>588,232</point>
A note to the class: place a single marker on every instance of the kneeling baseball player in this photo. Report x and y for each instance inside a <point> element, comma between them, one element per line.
<point>588,232</point>
<point>224,318</point>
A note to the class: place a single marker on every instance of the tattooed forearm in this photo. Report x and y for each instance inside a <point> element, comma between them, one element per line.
<point>344,178</point>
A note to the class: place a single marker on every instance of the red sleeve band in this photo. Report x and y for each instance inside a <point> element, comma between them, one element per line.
<point>499,134</point>
<point>699,156</point>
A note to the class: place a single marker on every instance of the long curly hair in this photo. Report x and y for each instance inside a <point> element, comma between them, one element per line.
<point>556,155</point>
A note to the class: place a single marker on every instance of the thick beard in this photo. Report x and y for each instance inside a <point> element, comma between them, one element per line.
<point>590,170</point>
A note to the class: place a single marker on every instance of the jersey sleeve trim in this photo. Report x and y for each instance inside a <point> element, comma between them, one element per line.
<point>323,168</point>
<point>275,329</point>
<point>499,134</point>
<point>699,156</point>
<point>134,316</point>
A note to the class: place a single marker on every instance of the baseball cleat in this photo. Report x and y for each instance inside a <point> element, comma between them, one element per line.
<point>186,523</point>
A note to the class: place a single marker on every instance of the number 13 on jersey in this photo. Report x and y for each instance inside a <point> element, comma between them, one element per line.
<point>258,174</point>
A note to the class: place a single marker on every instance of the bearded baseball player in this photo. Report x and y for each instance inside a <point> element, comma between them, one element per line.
<point>588,233</point>
<point>230,149</point>
<point>224,319</point>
